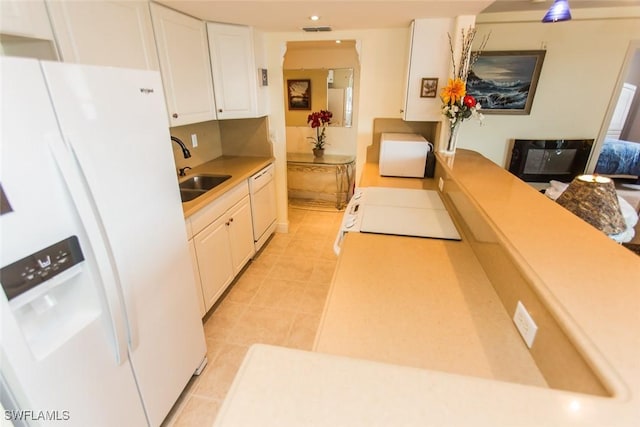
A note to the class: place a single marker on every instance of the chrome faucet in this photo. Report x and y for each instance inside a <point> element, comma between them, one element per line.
<point>185,150</point>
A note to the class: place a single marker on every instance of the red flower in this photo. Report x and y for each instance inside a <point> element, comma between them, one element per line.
<point>319,118</point>
<point>469,101</point>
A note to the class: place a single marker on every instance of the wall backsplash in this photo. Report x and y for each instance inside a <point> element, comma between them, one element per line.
<point>429,130</point>
<point>209,143</point>
<point>241,137</point>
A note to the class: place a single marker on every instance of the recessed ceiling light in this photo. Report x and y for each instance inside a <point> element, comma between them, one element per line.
<point>314,17</point>
<point>338,41</point>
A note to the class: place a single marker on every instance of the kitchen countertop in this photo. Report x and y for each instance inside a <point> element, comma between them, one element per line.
<point>593,290</point>
<point>240,168</point>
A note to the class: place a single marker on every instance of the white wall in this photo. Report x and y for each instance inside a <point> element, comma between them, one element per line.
<point>580,71</point>
<point>579,74</point>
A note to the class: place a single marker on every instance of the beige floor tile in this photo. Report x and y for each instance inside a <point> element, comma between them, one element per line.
<point>244,288</point>
<point>198,411</point>
<point>320,217</point>
<point>303,332</point>
<point>282,295</point>
<point>305,247</point>
<point>214,347</point>
<point>326,248</point>
<point>314,298</point>
<point>262,263</point>
<point>262,325</point>
<point>323,271</point>
<point>223,319</point>
<point>314,230</point>
<point>277,244</point>
<point>215,380</point>
<point>292,268</point>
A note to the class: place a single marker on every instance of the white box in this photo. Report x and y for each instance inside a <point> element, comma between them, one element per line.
<point>403,154</point>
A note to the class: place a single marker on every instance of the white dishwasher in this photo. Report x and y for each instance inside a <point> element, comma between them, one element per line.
<point>262,189</point>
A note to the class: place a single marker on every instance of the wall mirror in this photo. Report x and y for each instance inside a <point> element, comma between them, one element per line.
<point>325,89</point>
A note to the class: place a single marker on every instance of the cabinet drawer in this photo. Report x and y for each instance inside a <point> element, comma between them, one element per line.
<point>210,213</point>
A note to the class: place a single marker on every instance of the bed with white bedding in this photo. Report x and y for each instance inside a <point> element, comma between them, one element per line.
<point>619,158</point>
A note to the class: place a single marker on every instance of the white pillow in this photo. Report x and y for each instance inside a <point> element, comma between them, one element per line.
<point>555,190</point>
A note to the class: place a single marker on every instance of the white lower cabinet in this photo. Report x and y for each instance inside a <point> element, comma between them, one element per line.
<point>223,242</point>
<point>196,275</point>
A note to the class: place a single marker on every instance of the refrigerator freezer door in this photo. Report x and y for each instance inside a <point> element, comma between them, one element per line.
<point>57,349</point>
<point>115,122</point>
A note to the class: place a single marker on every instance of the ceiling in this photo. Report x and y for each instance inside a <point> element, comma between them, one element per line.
<point>292,15</point>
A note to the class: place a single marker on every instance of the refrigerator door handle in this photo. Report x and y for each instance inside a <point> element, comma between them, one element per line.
<point>78,188</point>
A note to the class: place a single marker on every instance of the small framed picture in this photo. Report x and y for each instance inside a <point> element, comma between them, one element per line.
<point>299,94</point>
<point>429,87</point>
<point>264,78</point>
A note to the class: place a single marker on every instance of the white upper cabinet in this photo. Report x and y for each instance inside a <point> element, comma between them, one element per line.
<point>234,72</point>
<point>429,57</point>
<point>25,19</point>
<point>110,33</point>
<point>184,63</point>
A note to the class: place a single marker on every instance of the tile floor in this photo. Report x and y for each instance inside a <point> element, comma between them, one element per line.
<point>277,299</point>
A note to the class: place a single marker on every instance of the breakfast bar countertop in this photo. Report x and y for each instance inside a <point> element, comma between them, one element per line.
<point>589,283</point>
<point>239,167</point>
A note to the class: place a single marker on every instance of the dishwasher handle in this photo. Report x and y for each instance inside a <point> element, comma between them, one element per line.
<point>261,179</point>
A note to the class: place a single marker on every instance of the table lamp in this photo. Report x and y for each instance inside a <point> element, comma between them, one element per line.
<point>594,199</point>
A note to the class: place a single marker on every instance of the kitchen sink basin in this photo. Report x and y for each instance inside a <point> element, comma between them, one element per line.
<point>187,195</point>
<point>203,182</point>
<point>197,185</point>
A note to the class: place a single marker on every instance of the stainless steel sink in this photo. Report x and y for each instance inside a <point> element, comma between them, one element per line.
<point>187,195</point>
<point>197,185</point>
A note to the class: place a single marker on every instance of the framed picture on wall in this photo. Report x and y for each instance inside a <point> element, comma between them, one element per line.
<point>504,82</point>
<point>299,94</point>
<point>429,87</point>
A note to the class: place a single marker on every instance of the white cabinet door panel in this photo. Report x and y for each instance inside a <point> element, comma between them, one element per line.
<point>196,274</point>
<point>241,234</point>
<point>214,259</point>
<point>233,67</point>
<point>110,33</point>
<point>184,62</point>
<point>25,19</point>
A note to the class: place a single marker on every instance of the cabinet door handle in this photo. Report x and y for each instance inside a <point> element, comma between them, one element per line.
<point>220,110</point>
<point>226,223</point>
<point>230,219</point>
<point>174,115</point>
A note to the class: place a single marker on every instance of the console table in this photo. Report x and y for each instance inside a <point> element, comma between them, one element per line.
<point>316,178</point>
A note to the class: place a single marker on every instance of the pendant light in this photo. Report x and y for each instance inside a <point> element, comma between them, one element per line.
<point>559,11</point>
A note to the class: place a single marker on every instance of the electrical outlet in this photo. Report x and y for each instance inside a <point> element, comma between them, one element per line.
<point>525,324</point>
<point>194,140</point>
<point>441,184</point>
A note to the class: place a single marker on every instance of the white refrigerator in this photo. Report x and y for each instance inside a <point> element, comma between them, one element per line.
<point>99,322</point>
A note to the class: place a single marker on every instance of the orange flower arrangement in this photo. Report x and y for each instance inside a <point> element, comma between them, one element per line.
<point>454,91</point>
<point>456,104</point>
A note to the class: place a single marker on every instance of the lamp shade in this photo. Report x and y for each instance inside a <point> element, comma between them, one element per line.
<point>594,199</point>
<point>559,11</point>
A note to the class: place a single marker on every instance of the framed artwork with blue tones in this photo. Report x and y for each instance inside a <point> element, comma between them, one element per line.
<point>504,82</point>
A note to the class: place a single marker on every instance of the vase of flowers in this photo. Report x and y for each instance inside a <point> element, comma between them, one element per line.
<point>457,106</point>
<point>319,121</point>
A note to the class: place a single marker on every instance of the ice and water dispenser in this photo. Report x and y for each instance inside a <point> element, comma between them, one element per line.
<point>48,295</point>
